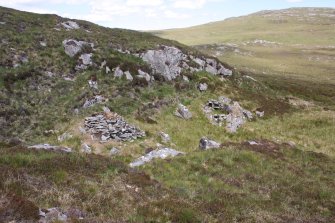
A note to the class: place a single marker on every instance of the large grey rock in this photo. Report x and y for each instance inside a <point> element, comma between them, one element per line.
<point>162,153</point>
<point>73,47</point>
<point>70,25</point>
<point>165,61</point>
<point>206,144</point>
<point>183,112</point>
<point>170,61</point>
<point>51,148</point>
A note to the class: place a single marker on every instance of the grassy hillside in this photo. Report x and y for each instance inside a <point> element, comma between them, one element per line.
<point>293,45</point>
<point>288,176</point>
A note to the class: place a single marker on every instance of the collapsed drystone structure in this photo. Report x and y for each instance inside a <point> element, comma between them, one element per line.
<point>226,111</point>
<point>107,126</point>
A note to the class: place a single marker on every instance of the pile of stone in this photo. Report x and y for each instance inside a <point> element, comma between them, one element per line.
<point>162,153</point>
<point>226,111</point>
<point>170,62</point>
<point>110,126</point>
<point>97,99</point>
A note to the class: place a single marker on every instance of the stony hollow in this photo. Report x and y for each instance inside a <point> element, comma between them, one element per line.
<point>115,125</point>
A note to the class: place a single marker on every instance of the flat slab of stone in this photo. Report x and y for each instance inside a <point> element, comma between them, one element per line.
<point>158,153</point>
<point>48,147</point>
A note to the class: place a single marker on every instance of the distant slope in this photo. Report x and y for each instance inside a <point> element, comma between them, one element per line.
<point>308,26</point>
<point>296,43</point>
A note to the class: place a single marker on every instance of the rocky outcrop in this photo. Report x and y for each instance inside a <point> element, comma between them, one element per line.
<point>73,47</point>
<point>183,112</point>
<point>48,147</point>
<point>231,113</point>
<point>110,126</point>
<point>170,62</point>
<point>158,153</point>
<point>206,144</point>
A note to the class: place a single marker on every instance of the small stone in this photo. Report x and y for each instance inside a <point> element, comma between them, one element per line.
<point>93,84</point>
<point>183,112</point>
<point>186,79</point>
<point>114,151</point>
<point>206,144</point>
<point>103,64</point>
<point>108,70</point>
<point>118,72</point>
<point>64,136</point>
<point>165,137</point>
<point>129,77</point>
<point>248,114</point>
<point>252,143</point>
<point>202,87</point>
<point>142,74</point>
<point>86,149</point>
<point>260,114</point>
<point>42,43</point>
<point>291,144</point>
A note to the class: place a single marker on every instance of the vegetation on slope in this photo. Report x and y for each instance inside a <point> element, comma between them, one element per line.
<point>290,49</point>
<point>289,177</point>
